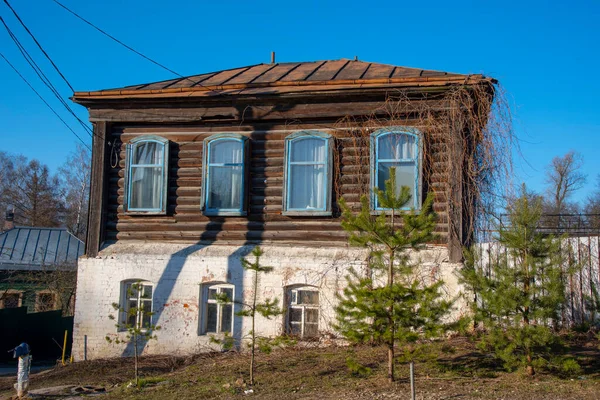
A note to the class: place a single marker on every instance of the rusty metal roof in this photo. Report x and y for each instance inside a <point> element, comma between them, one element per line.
<point>279,77</point>
<point>31,248</point>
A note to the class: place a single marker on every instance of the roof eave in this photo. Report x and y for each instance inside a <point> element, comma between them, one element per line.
<point>324,85</point>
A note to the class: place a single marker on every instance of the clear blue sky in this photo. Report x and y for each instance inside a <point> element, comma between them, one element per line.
<point>545,54</point>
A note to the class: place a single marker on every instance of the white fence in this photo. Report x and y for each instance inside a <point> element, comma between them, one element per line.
<point>581,274</point>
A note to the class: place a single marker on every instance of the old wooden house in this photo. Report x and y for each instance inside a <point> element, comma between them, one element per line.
<point>190,174</point>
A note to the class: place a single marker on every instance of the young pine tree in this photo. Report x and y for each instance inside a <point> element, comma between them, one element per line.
<point>268,308</point>
<point>391,305</point>
<point>520,292</point>
<point>137,323</point>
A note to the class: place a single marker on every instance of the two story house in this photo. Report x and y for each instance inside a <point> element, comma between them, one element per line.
<point>190,174</point>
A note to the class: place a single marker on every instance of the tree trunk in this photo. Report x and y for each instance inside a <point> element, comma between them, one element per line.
<point>135,357</point>
<point>253,329</point>
<point>391,321</point>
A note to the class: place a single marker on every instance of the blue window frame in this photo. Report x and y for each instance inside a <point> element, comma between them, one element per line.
<point>307,174</point>
<point>396,148</point>
<point>146,175</point>
<point>224,174</point>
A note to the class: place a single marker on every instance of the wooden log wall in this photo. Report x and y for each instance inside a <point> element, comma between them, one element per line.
<point>185,221</point>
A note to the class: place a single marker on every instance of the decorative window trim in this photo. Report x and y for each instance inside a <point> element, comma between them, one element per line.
<point>205,287</point>
<point>130,148</point>
<point>374,151</point>
<point>206,175</point>
<point>291,303</point>
<point>11,292</point>
<point>124,303</point>
<point>41,306</point>
<point>289,140</point>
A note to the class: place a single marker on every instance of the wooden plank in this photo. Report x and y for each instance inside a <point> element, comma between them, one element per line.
<point>353,70</point>
<point>190,81</point>
<point>251,74</point>
<point>276,73</point>
<point>328,70</point>
<point>97,208</point>
<point>222,76</point>
<point>378,71</point>
<point>301,72</point>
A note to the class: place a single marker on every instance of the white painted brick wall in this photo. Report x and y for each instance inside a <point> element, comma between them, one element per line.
<point>177,272</point>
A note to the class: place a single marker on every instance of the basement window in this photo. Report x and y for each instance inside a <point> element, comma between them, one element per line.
<point>45,301</point>
<point>146,175</point>
<point>303,311</point>
<point>307,191</point>
<point>224,174</point>
<point>11,299</point>
<point>136,304</point>
<point>399,149</point>
<point>218,308</point>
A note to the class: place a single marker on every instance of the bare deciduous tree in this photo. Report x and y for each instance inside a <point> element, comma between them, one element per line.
<point>564,177</point>
<point>34,193</point>
<point>75,176</point>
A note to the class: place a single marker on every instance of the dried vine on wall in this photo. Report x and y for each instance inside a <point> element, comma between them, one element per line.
<point>464,127</point>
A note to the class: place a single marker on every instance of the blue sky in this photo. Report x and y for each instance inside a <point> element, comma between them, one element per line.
<point>545,54</point>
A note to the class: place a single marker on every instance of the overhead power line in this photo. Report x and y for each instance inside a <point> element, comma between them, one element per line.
<point>39,45</point>
<point>45,80</point>
<point>131,48</point>
<point>45,102</point>
<point>117,40</point>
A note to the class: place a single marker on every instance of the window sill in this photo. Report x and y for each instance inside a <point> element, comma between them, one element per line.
<point>216,213</point>
<point>307,213</point>
<point>141,212</point>
<point>397,212</point>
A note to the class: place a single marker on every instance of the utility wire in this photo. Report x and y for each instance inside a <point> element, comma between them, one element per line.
<point>131,48</point>
<point>39,45</point>
<point>42,76</point>
<point>45,102</point>
<point>117,40</point>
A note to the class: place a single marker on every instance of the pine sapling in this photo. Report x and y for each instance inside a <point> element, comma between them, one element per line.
<point>390,305</point>
<point>268,308</point>
<point>520,292</point>
<point>136,321</point>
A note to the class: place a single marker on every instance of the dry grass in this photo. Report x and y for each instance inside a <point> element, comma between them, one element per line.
<point>457,371</point>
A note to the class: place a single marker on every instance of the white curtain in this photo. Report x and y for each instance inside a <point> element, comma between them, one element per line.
<point>226,172</point>
<point>399,151</point>
<point>307,181</point>
<point>146,176</point>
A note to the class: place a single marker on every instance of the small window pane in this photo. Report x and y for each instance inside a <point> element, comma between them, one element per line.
<point>129,291</point>
<point>146,320</point>
<point>311,315</point>
<point>226,186</point>
<point>296,329</point>
<point>146,306</point>
<point>211,317</point>
<point>308,297</point>
<point>307,185</point>
<point>311,330</point>
<point>146,187</point>
<point>226,152</point>
<point>295,315</point>
<point>11,300</point>
<point>212,294</point>
<point>226,317</point>
<point>148,153</point>
<point>308,150</point>
<point>396,147</point>
<point>228,292</point>
<point>147,292</point>
<point>405,176</point>
<point>294,297</point>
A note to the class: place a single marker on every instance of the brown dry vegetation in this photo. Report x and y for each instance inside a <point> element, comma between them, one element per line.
<point>458,370</point>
